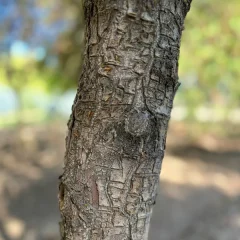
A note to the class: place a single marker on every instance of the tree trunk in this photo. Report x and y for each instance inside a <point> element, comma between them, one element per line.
<point>118,126</point>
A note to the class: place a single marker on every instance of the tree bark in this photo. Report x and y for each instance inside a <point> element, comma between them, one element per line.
<point>118,126</point>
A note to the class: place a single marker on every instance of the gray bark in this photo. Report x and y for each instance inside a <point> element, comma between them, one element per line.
<point>118,126</point>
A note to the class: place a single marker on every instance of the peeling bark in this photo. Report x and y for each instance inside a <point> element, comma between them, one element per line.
<point>118,126</point>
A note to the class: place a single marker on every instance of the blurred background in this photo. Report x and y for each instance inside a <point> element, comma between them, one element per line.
<point>41,46</point>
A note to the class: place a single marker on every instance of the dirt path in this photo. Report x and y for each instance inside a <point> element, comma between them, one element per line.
<point>199,196</point>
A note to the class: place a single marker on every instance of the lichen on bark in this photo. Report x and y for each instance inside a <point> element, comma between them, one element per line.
<point>118,126</point>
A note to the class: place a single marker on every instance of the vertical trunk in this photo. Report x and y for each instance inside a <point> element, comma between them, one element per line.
<point>118,127</point>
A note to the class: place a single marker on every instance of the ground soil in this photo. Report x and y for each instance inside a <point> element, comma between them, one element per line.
<point>199,193</point>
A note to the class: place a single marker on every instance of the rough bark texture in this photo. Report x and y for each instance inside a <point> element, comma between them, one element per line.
<point>118,127</point>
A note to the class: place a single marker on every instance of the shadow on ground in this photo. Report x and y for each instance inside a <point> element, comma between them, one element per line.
<point>199,196</point>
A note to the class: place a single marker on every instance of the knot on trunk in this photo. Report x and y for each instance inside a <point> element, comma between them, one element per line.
<point>137,122</point>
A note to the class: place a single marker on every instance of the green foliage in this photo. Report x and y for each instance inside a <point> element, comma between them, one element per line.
<point>70,44</point>
<point>210,49</point>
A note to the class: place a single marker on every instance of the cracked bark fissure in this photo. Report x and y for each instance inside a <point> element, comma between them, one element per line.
<point>118,126</point>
